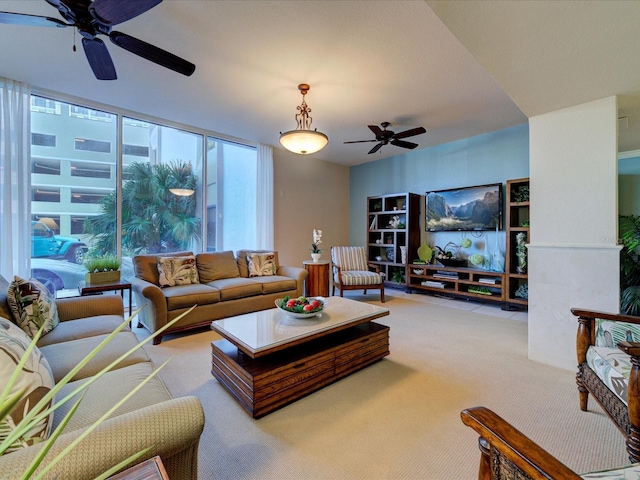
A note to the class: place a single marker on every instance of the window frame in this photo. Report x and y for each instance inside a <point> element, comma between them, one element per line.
<point>121,114</point>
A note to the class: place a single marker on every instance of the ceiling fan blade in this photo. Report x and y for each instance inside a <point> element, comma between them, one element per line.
<point>113,12</point>
<point>361,141</point>
<point>30,20</point>
<point>410,133</point>
<point>376,130</point>
<point>152,53</point>
<point>376,148</point>
<point>99,59</point>
<point>403,144</point>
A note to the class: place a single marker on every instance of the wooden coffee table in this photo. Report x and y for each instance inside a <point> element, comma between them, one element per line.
<point>267,359</point>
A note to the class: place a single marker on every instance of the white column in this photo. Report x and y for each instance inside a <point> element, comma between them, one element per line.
<point>573,257</point>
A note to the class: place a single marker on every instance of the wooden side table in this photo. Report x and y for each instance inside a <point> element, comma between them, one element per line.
<point>317,283</point>
<point>95,288</point>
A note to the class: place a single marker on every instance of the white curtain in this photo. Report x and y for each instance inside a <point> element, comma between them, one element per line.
<point>15,179</point>
<point>264,198</point>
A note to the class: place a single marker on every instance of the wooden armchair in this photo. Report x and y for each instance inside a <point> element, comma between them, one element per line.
<point>507,454</point>
<point>351,271</point>
<point>609,369</point>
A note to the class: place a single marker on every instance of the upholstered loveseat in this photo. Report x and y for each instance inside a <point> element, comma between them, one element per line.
<point>222,285</point>
<point>150,418</point>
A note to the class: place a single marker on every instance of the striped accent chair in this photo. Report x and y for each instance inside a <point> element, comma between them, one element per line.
<point>352,272</point>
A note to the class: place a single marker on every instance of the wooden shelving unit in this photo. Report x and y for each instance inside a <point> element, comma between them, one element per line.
<point>517,221</point>
<point>458,281</point>
<point>384,241</point>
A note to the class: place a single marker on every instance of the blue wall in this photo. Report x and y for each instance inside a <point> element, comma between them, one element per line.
<point>489,158</point>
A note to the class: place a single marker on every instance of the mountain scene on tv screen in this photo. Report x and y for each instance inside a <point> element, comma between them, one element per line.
<point>457,210</point>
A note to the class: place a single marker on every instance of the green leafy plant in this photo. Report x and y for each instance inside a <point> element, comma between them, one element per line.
<point>154,220</point>
<point>41,410</point>
<point>397,276</point>
<point>629,231</point>
<point>521,194</point>
<point>479,290</point>
<point>105,263</point>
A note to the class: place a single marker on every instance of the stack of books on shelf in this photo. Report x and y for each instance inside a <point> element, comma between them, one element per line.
<point>434,284</point>
<point>446,274</point>
<point>489,280</point>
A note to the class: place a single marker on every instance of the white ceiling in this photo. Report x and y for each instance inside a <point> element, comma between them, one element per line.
<point>366,61</point>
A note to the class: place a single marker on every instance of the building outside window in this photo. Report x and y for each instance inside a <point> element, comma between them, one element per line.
<point>77,175</point>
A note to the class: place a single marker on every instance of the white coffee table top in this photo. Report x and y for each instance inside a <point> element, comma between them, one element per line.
<point>260,333</point>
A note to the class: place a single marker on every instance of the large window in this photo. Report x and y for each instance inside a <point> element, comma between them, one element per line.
<point>231,195</point>
<point>70,176</point>
<point>175,193</point>
<point>154,219</point>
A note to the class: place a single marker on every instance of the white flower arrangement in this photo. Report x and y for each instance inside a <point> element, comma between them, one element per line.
<point>317,240</point>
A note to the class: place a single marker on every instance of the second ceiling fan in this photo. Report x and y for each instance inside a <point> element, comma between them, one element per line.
<point>384,137</point>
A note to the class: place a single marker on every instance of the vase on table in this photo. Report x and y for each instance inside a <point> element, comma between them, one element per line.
<point>403,254</point>
<point>316,257</point>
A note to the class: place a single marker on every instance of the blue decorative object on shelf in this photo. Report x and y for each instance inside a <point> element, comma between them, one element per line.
<point>390,254</point>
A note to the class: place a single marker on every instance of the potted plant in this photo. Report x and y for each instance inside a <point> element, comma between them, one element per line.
<point>316,252</point>
<point>629,231</point>
<point>398,277</point>
<point>102,269</point>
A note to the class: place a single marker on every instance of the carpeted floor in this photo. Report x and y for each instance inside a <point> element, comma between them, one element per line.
<point>399,418</point>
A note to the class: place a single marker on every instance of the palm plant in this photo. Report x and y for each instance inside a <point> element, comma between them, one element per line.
<point>629,231</point>
<point>154,220</point>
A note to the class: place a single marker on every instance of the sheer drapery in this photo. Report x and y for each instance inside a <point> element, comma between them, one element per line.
<point>264,198</point>
<point>15,178</point>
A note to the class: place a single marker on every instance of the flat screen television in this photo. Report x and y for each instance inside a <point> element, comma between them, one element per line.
<point>466,208</point>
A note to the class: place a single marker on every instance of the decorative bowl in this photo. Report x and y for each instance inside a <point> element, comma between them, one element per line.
<point>418,271</point>
<point>452,262</point>
<point>297,312</point>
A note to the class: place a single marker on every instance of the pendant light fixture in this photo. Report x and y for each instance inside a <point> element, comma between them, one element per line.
<point>182,192</point>
<point>303,140</point>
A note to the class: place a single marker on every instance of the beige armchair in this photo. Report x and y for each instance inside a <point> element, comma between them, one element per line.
<point>351,271</point>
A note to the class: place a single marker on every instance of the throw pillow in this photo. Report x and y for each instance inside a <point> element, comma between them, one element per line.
<point>32,305</point>
<point>216,266</point>
<point>35,376</point>
<point>177,271</point>
<point>610,333</point>
<point>261,264</point>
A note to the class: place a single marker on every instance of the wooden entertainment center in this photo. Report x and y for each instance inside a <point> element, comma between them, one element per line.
<point>458,281</point>
<point>393,247</point>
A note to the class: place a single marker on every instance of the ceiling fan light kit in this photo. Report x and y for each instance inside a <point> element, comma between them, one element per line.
<point>385,137</point>
<point>303,140</point>
<point>93,18</point>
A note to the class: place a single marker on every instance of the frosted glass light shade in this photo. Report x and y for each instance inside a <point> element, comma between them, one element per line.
<point>304,142</point>
<point>182,192</point>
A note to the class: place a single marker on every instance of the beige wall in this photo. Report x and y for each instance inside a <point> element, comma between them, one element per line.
<point>308,193</point>
<point>573,251</point>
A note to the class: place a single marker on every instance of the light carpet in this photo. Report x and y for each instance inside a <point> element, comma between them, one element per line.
<point>399,418</point>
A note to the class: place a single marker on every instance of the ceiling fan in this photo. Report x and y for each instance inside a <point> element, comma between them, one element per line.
<point>93,18</point>
<point>385,137</point>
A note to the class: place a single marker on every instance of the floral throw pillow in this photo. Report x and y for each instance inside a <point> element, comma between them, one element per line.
<point>261,264</point>
<point>32,305</point>
<point>177,271</point>
<point>35,377</point>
